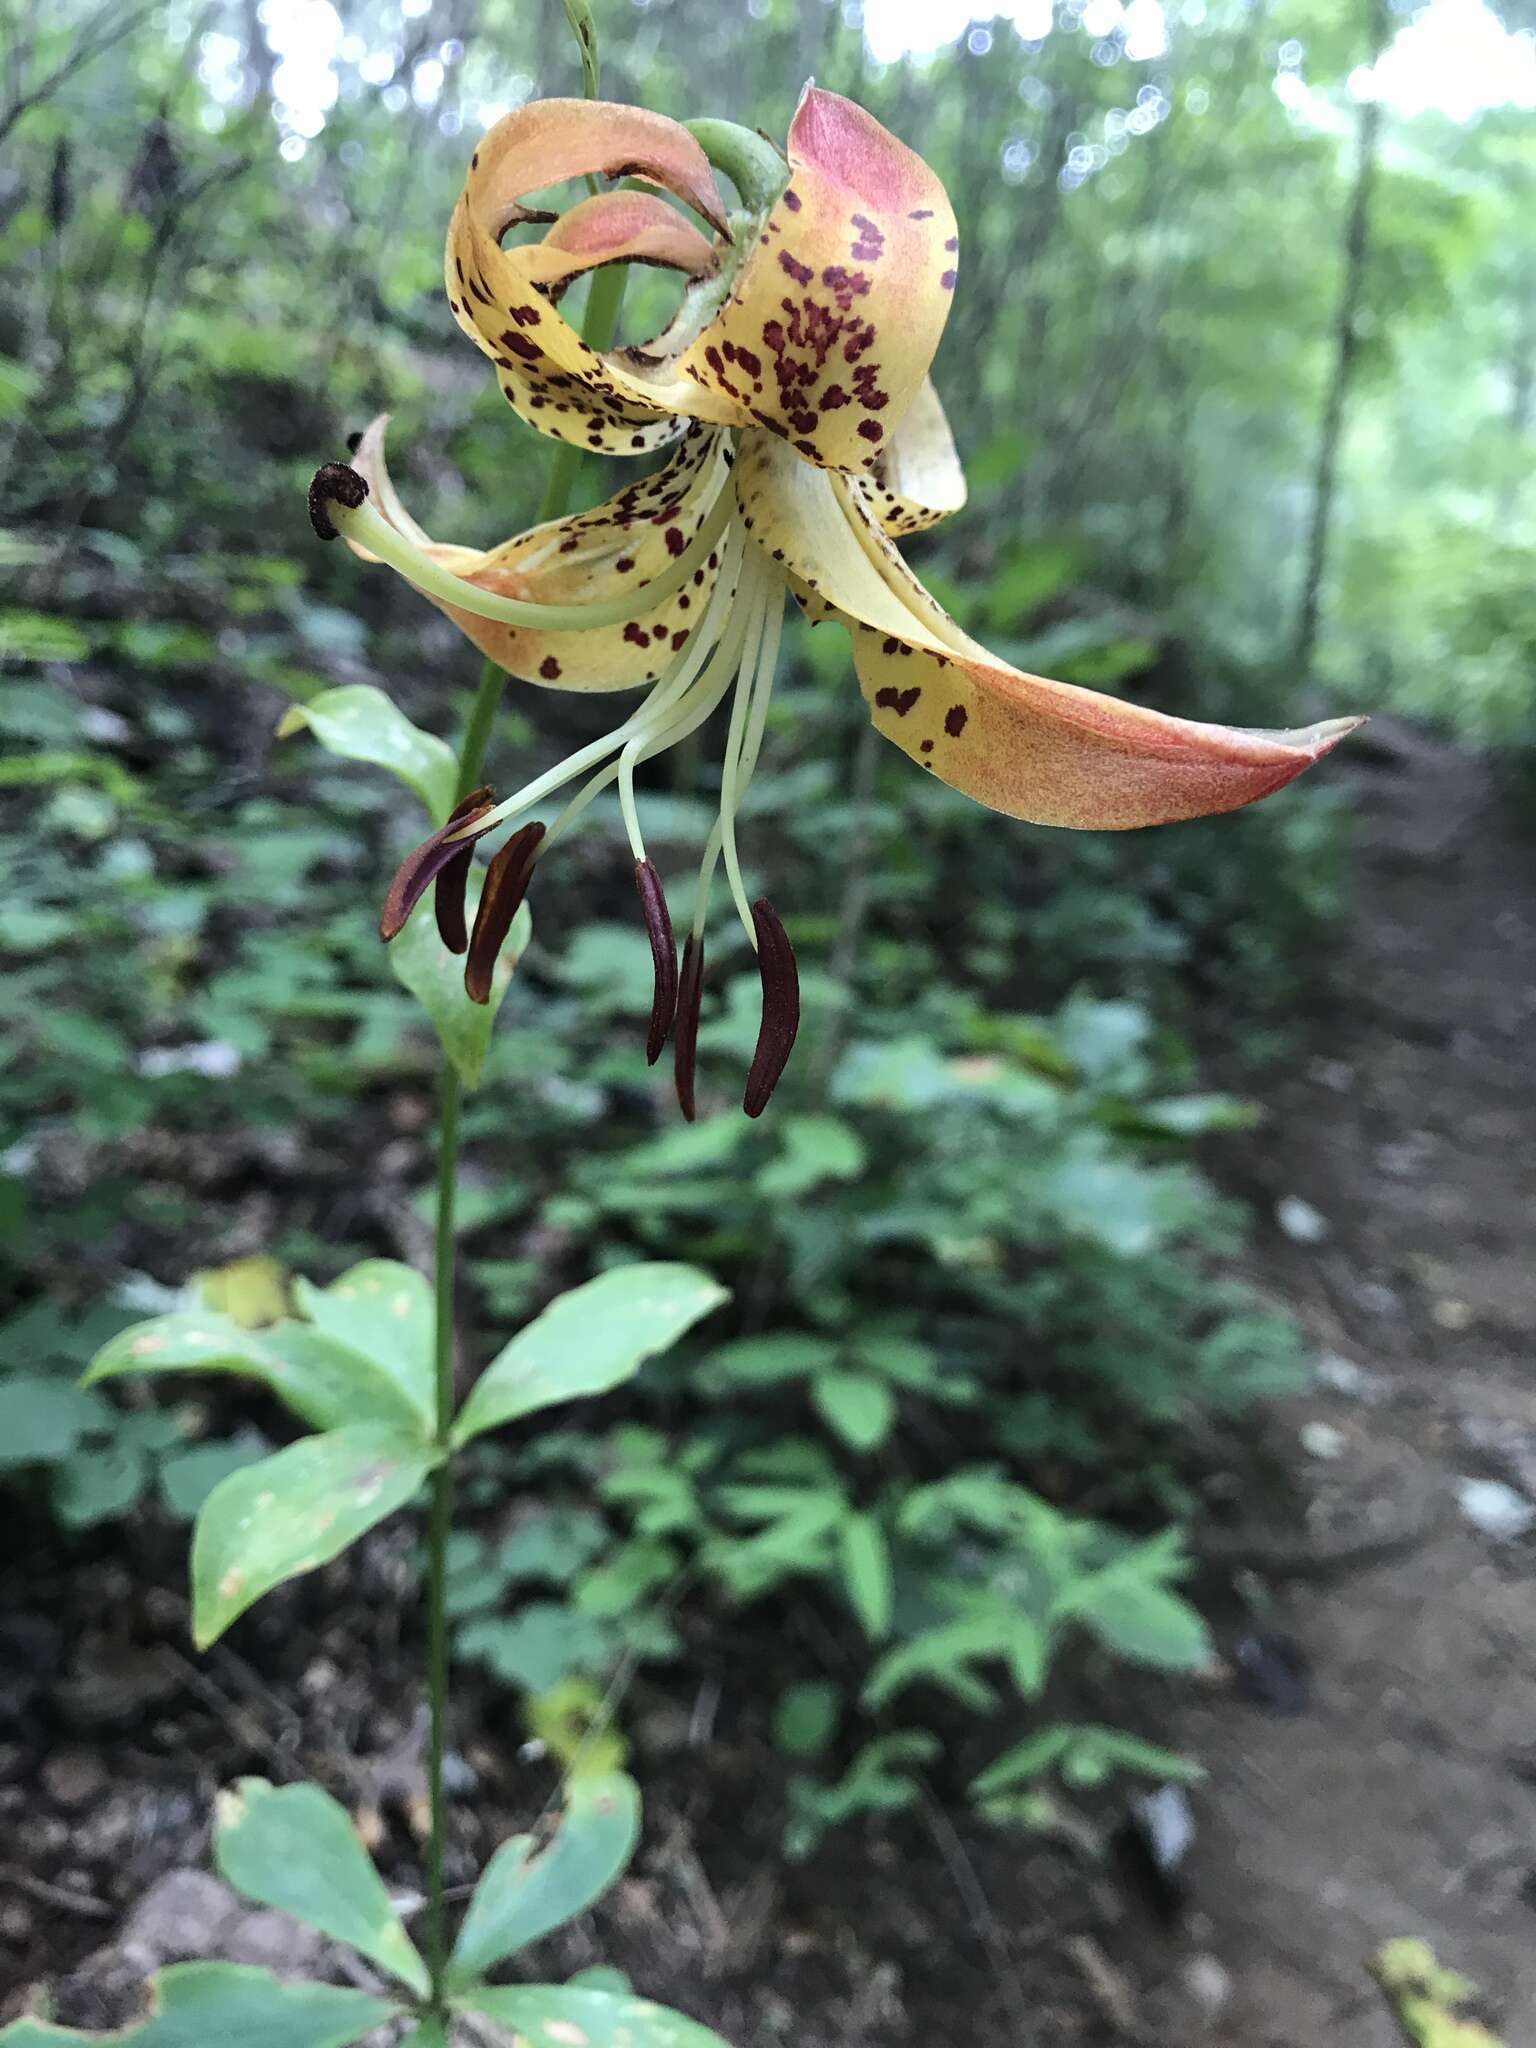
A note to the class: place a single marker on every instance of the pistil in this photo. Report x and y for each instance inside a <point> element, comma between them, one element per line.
<point>338,505</point>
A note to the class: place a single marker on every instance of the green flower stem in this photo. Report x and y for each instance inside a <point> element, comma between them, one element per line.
<point>598,329</point>
<point>441,1522</point>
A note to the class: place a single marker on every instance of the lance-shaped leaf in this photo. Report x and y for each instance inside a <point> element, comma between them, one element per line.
<point>435,977</point>
<point>587,1341</point>
<point>293,1847</point>
<point>294,1512</point>
<point>199,2004</point>
<point>526,1891</point>
<point>323,1380</point>
<point>385,1310</point>
<point>360,723</point>
<point>562,2016</point>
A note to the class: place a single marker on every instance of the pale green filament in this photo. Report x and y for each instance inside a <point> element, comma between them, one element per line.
<point>749,717</point>
<point>674,679</point>
<point>664,720</point>
<point>367,527</point>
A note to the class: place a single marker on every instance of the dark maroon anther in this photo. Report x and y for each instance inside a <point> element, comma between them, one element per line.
<point>334,483</point>
<point>658,927</point>
<point>506,884</point>
<point>448,898</point>
<point>425,863</point>
<point>685,1030</point>
<point>781,1007</point>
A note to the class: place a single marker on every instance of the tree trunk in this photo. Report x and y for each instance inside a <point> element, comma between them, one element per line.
<point>1346,348</point>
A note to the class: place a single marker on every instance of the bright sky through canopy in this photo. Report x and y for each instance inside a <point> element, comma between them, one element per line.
<point>1453,57</point>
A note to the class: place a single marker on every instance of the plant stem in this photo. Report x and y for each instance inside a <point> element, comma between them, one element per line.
<point>441,1524</point>
<point>598,329</point>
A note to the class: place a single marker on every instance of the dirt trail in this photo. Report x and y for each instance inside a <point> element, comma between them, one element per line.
<point>1402,1798</point>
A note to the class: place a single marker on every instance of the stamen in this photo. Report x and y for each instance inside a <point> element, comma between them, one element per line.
<point>781,1007</point>
<point>735,744</point>
<point>506,884</point>
<point>334,509</point>
<point>673,696</point>
<point>658,926</point>
<point>422,866</point>
<point>685,1028</point>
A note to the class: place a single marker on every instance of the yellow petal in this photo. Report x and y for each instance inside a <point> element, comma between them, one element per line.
<point>1046,751</point>
<point>833,318</point>
<point>502,299</point>
<point>583,559</point>
<point>918,480</point>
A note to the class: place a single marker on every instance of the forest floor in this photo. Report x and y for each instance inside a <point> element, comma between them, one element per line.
<point>1370,1735</point>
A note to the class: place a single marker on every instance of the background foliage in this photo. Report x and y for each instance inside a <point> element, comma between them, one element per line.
<point>981,1341</point>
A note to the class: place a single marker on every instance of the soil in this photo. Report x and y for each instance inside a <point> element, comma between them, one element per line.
<point>1370,1734</point>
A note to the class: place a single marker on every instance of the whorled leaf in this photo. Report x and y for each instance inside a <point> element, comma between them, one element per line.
<point>294,1847</point>
<point>198,2005</point>
<point>527,1891</point>
<point>294,1512</point>
<point>325,1381</point>
<point>587,1341</point>
<point>560,2016</point>
<point>359,723</point>
<point>384,1309</point>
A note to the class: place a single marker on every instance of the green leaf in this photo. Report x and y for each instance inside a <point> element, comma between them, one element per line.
<point>556,2016</point>
<point>542,1644</point>
<point>588,1341</point>
<point>866,1561</point>
<point>859,1408</point>
<point>553,1545</point>
<point>1027,1759</point>
<point>188,1477</point>
<point>293,1847</point>
<point>523,1895</point>
<point>435,977</point>
<point>769,1360</point>
<point>814,1149</point>
<point>1143,1622</point>
<point>806,1717</point>
<point>294,1512</point>
<point>42,1418</point>
<point>92,1486</point>
<point>385,1310</point>
<point>430,2034</point>
<point>324,1381</point>
<point>198,2004</point>
<point>359,723</point>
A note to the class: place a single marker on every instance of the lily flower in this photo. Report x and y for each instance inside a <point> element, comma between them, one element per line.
<point>805,438</point>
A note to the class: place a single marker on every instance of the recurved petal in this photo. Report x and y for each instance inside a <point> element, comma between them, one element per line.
<point>1050,752</point>
<point>583,559</point>
<point>833,318</point>
<point>918,480</point>
<point>504,298</point>
<point>618,227</point>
